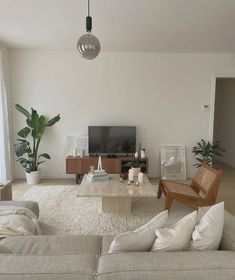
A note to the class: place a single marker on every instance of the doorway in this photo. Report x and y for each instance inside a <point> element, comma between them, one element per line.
<point>224,118</point>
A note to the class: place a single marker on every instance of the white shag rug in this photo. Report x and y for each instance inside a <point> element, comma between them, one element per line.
<point>62,212</point>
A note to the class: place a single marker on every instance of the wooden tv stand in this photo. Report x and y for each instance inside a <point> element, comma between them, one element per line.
<point>117,165</point>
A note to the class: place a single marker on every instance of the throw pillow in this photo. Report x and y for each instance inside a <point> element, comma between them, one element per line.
<point>208,232</point>
<point>141,239</point>
<point>177,237</point>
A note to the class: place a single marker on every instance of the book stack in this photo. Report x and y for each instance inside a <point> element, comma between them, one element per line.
<point>99,174</point>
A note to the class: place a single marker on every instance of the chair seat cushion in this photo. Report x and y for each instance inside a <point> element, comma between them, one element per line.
<point>179,188</point>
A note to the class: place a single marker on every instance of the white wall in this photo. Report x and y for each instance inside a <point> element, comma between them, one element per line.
<point>162,94</point>
<point>8,130</point>
<point>224,129</point>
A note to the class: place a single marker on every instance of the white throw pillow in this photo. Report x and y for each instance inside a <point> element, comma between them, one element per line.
<point>141,239</point>
<point>177,237</point>
<point>208,232</point>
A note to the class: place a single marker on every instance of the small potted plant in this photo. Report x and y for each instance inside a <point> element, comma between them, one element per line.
<point>206,151</point>
<point>137,165</point>
<point>27,147</point>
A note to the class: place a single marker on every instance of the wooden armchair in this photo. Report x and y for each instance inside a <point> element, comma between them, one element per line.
<point>202,191</point>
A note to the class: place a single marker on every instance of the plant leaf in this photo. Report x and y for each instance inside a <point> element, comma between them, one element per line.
<point>33,121</point>
<point>53,120</point>
<point>24,164</point>
<point>24,132</point>
<point>40,127</point>
<point>23,111</point>
<point>45,156</point>
<point>21,149</point>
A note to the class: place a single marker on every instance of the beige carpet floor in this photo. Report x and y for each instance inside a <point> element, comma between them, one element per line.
<point>62,212</point>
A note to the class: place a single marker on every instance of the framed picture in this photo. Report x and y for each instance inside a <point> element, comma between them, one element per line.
<point>173,165</point>
<point>80,143</point>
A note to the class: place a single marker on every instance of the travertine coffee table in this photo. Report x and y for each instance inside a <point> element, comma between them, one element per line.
<point>116,196</point>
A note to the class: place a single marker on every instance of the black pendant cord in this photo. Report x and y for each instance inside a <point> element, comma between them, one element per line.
<point>88,19</point>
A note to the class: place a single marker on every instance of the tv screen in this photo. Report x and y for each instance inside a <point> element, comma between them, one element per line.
<point>111,139</point>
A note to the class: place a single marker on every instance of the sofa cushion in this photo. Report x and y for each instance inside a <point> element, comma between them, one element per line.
<point>58,267</point>
<point>208,232</point>
<point>177,237</point>
<point>141,239</point>
<point>56,245</point>
<point>204,265</point>
<point>106,242</point>
<point>32,205</point>
<point>228,236</point>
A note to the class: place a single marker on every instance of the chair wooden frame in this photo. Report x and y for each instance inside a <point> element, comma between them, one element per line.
<point>201,192</point>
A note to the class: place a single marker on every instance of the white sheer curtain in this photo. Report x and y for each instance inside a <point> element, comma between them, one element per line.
<point>5,166</point>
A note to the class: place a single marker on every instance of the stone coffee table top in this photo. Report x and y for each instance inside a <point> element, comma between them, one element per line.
<point>114,188</point>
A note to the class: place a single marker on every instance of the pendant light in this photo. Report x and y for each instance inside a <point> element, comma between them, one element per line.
<point>88,45</point>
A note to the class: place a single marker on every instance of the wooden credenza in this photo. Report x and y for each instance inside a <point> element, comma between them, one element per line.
<point>81,166</point>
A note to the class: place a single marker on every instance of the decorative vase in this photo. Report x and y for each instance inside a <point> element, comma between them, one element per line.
<point>142,153</point>
<point>136,171</point>
<point>33,177</point>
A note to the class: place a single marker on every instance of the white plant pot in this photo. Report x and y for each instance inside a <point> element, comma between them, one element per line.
<point>136,171</point>
<point>33,177</point>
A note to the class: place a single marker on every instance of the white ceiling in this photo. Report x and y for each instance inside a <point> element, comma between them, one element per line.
<point>121,25</point>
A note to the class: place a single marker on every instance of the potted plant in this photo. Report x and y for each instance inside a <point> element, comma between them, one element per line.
<point>206,151</point>
<point>27,149</point>
<point>137,165</point>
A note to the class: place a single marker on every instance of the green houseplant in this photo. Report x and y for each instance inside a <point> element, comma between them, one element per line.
<point>206,151</point>
<point>137,165</point>
<point>27,147</point>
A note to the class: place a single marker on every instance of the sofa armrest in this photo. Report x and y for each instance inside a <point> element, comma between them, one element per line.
<point>31,205</point>
<point>228,237</point>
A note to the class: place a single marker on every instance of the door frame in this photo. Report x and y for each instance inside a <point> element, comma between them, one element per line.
<point>213,92</point>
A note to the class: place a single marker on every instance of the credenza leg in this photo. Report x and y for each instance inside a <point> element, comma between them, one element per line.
<point>78,176</point>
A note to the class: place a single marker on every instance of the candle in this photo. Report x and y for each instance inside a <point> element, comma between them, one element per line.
<point>131,175</point>
<point>140,178</point>
<point>75,152</point>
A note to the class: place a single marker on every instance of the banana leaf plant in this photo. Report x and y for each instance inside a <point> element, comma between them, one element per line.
<point>27,149</point>
<point>206,151</point>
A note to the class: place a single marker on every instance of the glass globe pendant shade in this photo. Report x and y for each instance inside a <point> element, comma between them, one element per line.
<point>88,46</point>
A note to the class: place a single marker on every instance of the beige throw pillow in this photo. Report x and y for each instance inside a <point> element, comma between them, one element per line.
<point>177,237</point>
<point>141,239</point>
<point>208,232</point>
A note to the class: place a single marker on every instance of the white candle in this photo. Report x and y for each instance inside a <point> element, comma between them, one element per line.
<point>140,178</point>
<point>74,152</point>
<point>131,175</point>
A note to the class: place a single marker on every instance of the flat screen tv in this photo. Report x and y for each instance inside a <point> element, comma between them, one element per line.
<point>111,140</point>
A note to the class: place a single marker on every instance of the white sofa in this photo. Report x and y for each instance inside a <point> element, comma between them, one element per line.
<point>85,257</point>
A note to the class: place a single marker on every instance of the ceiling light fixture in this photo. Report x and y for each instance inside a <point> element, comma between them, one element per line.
<point>88,45</point>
